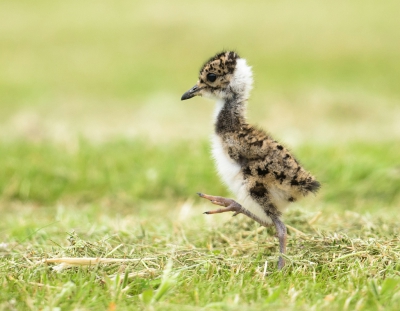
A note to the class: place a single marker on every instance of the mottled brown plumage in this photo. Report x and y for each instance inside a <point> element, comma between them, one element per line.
<point>260,171</point>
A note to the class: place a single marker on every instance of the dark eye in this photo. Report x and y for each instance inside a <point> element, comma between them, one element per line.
<point>211,77</point>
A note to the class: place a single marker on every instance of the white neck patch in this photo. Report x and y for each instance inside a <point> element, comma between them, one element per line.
<point>242,81</point>
<point>241,84</point>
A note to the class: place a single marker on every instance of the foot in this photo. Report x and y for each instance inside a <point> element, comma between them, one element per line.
<point>229,204</point>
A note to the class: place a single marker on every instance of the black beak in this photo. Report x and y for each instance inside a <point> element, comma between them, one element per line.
<point>191,93</point>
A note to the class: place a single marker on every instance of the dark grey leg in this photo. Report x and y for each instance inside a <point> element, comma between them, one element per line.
<point>282,235</point>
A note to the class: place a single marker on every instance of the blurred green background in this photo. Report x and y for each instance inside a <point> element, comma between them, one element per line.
<point>325,71</point>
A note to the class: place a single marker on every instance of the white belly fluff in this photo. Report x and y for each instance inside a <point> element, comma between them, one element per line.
<point>230,173</point>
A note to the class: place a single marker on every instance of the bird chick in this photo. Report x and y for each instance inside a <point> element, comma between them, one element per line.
<point>261,172</point>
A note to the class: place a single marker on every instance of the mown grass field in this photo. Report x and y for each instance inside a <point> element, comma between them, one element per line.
<point>99,157</point>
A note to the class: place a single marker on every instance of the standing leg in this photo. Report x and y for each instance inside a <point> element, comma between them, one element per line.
<point>282,234</point>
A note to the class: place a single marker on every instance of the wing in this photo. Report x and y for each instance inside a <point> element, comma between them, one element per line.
<point>262,157</point>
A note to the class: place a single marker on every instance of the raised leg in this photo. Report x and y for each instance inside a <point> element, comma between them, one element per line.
<point>230,206</point>
<point>282,235</point>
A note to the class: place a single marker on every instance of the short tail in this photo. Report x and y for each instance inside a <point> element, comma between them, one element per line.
<point>312,186</point>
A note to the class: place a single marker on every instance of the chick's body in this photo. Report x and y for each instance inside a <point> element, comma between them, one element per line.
<point>262,173</point>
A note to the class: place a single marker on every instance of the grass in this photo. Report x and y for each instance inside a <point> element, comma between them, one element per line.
<point>106,201</point>
<point>100,159</point>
